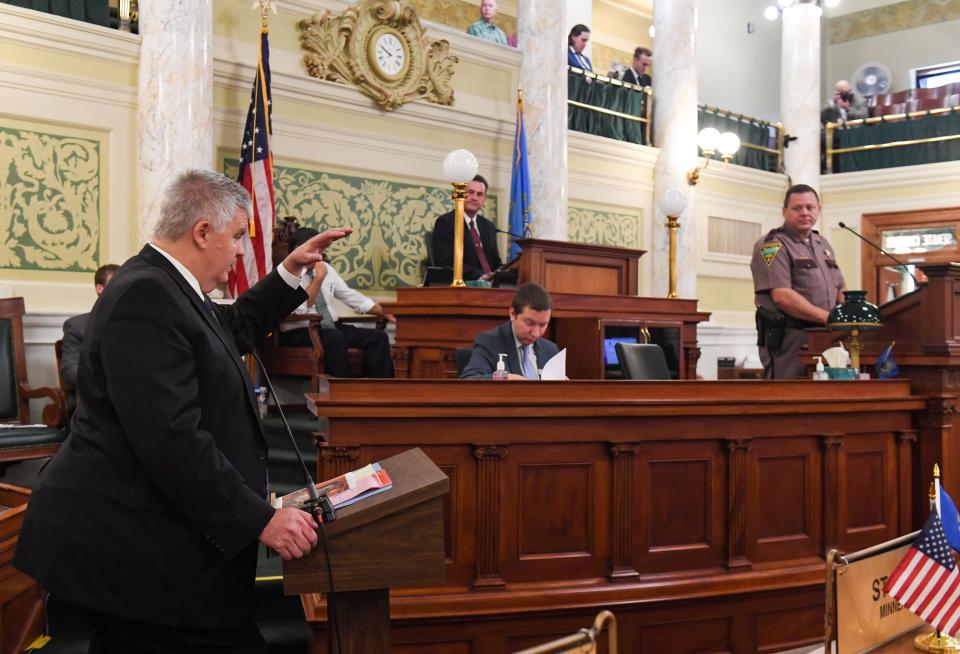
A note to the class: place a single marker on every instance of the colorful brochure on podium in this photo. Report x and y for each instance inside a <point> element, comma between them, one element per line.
<point>346,489</point>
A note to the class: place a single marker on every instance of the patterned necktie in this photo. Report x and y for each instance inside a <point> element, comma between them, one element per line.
<point>529,370</point>
<point>208,304</point>
<point>478,246</point>
<point>326,318</point>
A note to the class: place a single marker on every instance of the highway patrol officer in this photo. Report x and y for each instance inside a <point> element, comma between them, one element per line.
<point>796,282</point>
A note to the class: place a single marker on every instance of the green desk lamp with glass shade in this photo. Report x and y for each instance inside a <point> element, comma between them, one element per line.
<point>854,314</point>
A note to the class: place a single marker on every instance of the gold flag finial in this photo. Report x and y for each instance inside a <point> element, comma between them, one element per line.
<point>933,484</point>
<point>265,7</point>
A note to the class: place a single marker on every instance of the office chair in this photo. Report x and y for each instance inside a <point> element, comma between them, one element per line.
<point>642,361</point>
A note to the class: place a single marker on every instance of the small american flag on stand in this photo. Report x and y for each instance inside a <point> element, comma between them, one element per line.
<point>256,175</point>
<point>927,581</point>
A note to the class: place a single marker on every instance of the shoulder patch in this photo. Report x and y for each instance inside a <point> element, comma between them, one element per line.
<point>769,252</point>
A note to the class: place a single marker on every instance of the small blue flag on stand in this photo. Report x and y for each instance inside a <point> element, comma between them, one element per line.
<point>519,182</point>
<point>948,516</point>
<point>887,365</point>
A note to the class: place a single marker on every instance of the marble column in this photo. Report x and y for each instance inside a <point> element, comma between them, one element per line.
<point>542,35</point>
<point>675,133</point>
<point>175,96</point>
<point>800,92</point>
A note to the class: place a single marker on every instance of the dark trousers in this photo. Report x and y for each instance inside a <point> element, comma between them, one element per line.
<point>112,635</point>
<point>786,364</point>
<point>374,342</point>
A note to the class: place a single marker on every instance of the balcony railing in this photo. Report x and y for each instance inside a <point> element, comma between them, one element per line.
<point>761,142</point>
<point>608,107</point>
<point>904,139</point>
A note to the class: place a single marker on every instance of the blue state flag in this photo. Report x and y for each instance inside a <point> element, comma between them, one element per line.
<point>948,516</point>
<point>519,183</point>
<point>887,367</point>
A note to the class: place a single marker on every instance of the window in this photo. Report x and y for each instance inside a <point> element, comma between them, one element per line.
<point>934,76</point>
<point>731,236</point>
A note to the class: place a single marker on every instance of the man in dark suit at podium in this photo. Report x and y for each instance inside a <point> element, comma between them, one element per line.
<point>149,515</point>
<point>518,338</point>
<point>481,258</point>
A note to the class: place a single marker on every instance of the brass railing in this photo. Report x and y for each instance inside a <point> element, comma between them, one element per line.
<point>777,127</point>
<point>584,641</point>
<point>829,129</point>
<point>603,79</point>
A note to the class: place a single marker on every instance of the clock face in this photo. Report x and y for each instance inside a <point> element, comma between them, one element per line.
<point>388,55</point>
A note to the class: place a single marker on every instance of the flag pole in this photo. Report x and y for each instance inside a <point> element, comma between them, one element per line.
<point>936,642</point>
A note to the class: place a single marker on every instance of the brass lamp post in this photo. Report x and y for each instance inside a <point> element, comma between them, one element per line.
<point>459,167</point>
<point>672,203</point>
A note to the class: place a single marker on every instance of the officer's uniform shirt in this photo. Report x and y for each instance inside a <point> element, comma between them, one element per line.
<point>782,259</point>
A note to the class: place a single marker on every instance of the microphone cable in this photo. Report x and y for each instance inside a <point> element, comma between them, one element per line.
<point>320,509</point>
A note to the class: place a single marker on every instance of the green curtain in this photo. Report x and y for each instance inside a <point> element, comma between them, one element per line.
<point>748,132</point>
<point>90,11</point>
<point>609,96</point>
<point>904,130</point>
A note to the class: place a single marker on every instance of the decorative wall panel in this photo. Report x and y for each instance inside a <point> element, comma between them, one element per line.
<point>892,18</point>
<point>461,15</point>
<point>50,201</point>
<point>390,219</point>
<point>604,226</point>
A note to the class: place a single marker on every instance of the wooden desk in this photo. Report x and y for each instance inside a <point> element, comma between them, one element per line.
<point>433,322</point>
<point>698,511</point>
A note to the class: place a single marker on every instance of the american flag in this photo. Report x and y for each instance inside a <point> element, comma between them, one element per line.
<point>256,175</point>
<point>927,581</point>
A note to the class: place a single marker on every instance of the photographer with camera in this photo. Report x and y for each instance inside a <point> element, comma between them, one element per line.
<point>844,105</point>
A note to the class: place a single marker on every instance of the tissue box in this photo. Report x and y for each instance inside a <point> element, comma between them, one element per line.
<point>841,373</point>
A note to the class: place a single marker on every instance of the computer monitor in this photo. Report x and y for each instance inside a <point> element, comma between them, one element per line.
<point>610,348</point>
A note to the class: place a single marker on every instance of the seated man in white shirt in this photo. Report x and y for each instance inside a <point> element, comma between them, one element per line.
<point>322,284</point>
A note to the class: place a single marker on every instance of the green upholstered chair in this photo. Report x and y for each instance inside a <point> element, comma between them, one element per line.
<point>19,438</point>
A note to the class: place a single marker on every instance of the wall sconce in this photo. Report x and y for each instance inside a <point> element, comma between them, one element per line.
<point>459,167</point>
<point>711,141</point>
<point>672,203</point>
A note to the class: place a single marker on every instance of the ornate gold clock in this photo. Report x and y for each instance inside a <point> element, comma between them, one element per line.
<point>388,53</point>
<point>380,47</point>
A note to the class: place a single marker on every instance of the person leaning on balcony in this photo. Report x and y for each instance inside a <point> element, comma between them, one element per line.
<point>843,105</point>
<point>576,42</point>
<point>637,73</point>
<point>484,28</point>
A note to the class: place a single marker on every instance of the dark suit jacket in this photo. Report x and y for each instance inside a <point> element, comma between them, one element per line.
<point>152,508</point>
<point>572,60</point>
<point>631,77</point>
<point>489,345</point>
<point>443,246</point>
<point>73,330</point>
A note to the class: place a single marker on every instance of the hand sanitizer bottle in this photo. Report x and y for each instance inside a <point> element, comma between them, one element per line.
<point>500,374</point>
<point>820,374</point>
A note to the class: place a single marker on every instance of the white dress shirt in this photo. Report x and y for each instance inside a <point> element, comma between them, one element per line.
<point>332,287</point>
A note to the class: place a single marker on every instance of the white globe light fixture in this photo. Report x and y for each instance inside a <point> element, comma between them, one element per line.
<point>459,168</point>
<point>728,144</point>
<point>672,203</point>
<point>707,139</point>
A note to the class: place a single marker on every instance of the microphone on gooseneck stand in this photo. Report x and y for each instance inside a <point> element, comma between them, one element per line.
<point>877,247</point>
<point>508,233</point>
<point>317,504</point>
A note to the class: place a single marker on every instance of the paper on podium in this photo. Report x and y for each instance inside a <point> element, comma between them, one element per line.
<point>556,368</point>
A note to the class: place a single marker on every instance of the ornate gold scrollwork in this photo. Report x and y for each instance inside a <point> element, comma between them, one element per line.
<point>338,48</point>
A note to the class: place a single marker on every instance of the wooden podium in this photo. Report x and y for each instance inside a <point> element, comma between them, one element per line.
<point>566,267</point>
<point>392,539</point>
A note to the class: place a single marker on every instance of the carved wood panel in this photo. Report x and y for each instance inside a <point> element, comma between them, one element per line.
<point>681,495</point>
<point>784,499</point>
<point>552,509</point>
<point>868,501</point>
